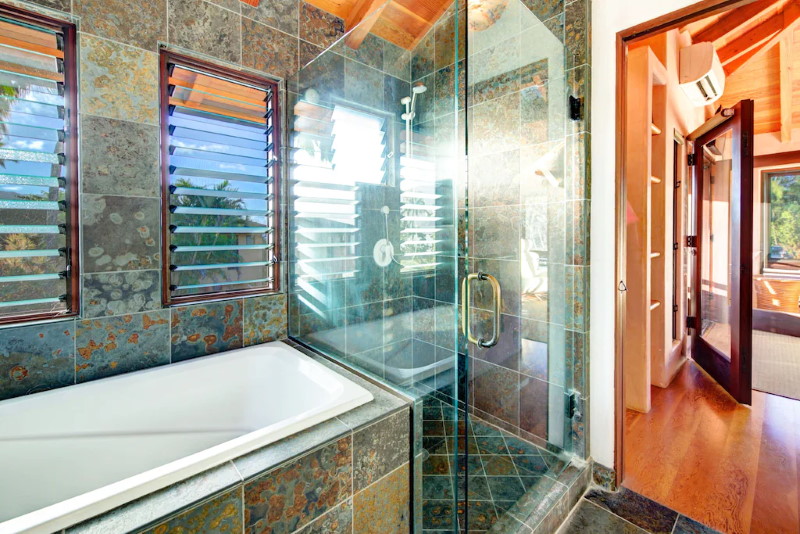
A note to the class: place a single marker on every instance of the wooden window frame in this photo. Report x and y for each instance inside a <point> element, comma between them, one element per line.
<point>167,57</point>
<point>765,178</point>
<point>71,191</point>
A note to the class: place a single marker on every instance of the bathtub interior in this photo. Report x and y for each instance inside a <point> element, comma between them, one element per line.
<point>64,443</point>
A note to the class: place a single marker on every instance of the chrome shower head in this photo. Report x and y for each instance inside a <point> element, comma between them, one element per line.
<point>419,88</point>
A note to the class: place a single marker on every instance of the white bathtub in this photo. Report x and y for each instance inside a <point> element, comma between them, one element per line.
<point>70,454</point>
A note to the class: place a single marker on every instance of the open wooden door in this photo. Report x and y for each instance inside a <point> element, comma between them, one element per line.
<point>723,271</point>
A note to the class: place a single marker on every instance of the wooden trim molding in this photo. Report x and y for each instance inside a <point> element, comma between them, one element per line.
<point>777,159</point>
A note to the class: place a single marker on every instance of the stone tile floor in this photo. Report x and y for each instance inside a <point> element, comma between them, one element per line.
<point>499,473</point>
<point>627,512</point>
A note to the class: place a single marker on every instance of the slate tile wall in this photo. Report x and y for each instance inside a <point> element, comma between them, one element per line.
<point>356,483</point>
<point>122,326</point>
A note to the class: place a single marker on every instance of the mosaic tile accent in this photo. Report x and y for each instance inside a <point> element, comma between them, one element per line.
<point>221,515</point>
<point>318,27</point>
<point>385,506</point>
<point>204,329</point>
<point>120,233</point>
<point>37,358</point>
<point>265,319</point>
<point>379,449</point>
<point>118,81</point>
<point>337,521</point>
<point>119,157</point>
<point>292,496</point>
<point>280,14</point>
<point>116,345</point>
<point>268,50</point>
<point>121,293</point>
<point>143,26</point>
<point>205,28</point>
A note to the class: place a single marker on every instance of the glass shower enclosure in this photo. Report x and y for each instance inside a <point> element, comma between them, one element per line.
<point>435,244</point>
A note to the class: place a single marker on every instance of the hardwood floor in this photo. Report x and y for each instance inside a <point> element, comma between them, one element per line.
<point>732,467</point>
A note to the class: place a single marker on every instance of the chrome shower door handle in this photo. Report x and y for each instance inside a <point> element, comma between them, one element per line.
<point>495,309</point>
<point>466,287</point>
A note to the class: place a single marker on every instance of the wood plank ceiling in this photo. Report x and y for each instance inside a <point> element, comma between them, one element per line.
<point>759,47</point>
<point>402,22</point>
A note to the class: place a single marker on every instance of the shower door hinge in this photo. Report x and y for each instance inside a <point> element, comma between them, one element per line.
<point>572,404</point>
<point>691,322</point>
<point>575,108</point>
<point>691,160</point>
<point>691,241</point>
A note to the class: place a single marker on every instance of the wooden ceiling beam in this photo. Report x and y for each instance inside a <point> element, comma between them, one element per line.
<point>752,38</point>
<point>734,64</point>
<point>791,20</point>
<point>786,44</point>
<point>731,21</point>
<point>362,17</point>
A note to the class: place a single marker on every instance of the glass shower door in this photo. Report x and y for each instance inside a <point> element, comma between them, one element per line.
<point>525,220</point>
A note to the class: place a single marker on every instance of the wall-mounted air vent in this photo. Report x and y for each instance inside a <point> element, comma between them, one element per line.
<point>701,75</point>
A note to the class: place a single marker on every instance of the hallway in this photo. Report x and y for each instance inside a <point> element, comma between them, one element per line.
<point>732,467</point>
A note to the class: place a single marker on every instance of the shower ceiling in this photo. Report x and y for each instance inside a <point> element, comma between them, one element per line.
<point>402,22</point>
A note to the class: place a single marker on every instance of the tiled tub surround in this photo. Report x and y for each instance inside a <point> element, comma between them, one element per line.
<point>130,435</point>
<point>120,184</point>
<point>338,473</point>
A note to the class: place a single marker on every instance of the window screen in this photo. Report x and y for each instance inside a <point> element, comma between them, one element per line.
<point>221,181</point>
<point>38,168</point>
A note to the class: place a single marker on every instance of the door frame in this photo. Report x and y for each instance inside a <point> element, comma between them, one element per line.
<point>625,38</point>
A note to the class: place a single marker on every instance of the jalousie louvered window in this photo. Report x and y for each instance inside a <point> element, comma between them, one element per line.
<point>38,168</point>
<point>220,141</point>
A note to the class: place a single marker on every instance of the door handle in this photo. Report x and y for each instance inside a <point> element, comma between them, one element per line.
<point>466,287</point>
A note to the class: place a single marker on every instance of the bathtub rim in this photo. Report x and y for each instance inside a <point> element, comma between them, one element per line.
<point>70,512</point>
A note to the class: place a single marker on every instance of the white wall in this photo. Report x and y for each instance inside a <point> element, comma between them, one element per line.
<point>608,18</point>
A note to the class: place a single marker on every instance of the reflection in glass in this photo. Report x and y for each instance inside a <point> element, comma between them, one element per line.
<point>715,266</point>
